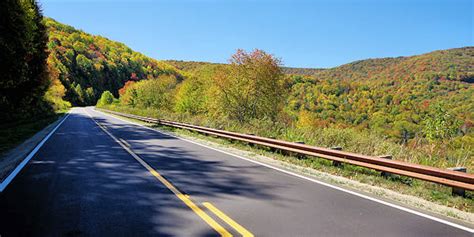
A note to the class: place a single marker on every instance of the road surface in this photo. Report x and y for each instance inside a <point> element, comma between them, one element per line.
<point>121,179</point>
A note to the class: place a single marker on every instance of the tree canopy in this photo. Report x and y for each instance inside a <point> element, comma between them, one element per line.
<point>24,73</point>
<point>89,65</point>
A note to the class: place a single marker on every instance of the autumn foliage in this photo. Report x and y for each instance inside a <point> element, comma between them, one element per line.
<point>89,65</point>
<point>415,102</point>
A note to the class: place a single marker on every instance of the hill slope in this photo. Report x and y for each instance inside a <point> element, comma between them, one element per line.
<point>394,96</point>
<point>452,64</point>
<point>391,96</point>
<point>88,64</point>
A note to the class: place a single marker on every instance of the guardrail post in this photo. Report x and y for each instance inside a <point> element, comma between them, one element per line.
<point>386,174</point>
<point>459,191</point>
<point>335,162</point>
<point>249,143</point>
<point>300,156</point>
<point>272,149</point>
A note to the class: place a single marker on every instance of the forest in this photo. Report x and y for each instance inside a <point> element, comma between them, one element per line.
<point>418,108</point>
<point>87,65</point>
<point>24,73</point>
<point>29,96</point>
<point>394,97</point>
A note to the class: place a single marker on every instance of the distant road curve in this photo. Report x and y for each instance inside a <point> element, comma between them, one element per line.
<point>98,175</point>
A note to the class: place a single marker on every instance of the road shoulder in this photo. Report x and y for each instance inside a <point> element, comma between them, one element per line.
<point>13,158</point>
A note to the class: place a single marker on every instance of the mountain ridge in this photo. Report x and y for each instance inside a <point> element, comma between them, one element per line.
<point>383,63</point>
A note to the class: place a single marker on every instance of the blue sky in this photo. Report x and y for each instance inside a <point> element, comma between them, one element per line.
<point>301,33</point>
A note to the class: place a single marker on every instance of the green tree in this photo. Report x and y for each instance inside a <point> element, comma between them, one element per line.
<point>90,96</point>
<point>441,124</point>
<point>84,63</point>
<point>106,98</point>
<point>191,96</point>
<point>23,42</point>
<point>80,94</point>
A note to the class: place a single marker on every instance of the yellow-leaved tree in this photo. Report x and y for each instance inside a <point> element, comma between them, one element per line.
<point>251,86</point>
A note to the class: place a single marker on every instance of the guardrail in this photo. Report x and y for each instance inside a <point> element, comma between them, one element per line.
<point>457,180</point>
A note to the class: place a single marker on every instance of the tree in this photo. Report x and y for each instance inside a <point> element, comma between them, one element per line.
<point>90,96</point>
<point>403,130</point>
<point>56,91</point>
<point>191,96</point>
<point>80,94</point>
<point>23,42</point>
<point>155,93</point>
<point>251,86</point>
<point>130,97</point>
<point>84,64</point>
<point>106,98</point>
<point>128,94</point>
<point>125,87</point>
<point>441,124</point>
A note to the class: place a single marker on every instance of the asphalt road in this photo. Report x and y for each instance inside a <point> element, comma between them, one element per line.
<point>132,181</point>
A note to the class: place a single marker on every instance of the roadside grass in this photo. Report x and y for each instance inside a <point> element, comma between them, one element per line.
<point>350,141</point>
<point>14,133</point>
<point>419,151</point>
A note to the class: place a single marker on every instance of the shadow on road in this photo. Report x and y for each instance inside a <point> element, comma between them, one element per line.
<point>82,183</point>
<point>194,169</point>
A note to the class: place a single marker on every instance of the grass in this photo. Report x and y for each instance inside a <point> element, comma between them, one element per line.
<point>442,155</point>
<point>13,134</point>
<point>358,142</point>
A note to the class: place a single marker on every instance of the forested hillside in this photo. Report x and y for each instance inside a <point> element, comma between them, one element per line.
<point>419,108</point>
<point>87,64</point>
<point>391,96</point>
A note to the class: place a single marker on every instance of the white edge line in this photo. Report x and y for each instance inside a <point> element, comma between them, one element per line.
<point>309,179</point>
<point>17,170</point>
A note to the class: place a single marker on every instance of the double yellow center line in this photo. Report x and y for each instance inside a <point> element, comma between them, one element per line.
<point>183,197</point>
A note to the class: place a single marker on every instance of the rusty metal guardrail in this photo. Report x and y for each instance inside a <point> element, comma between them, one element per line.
<point>450,178</point>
